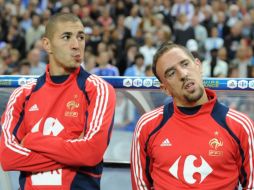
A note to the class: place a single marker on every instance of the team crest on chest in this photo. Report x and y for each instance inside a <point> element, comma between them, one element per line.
<point>215,145</point>
<point>72,107</point>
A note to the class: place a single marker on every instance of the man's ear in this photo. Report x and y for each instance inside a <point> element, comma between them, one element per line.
<point>164,89</point>
<point>199,64</point>
<point>46,45</point>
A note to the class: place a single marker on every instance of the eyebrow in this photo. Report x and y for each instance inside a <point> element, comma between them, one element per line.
<point>171,68</point>
<point>70,33</point>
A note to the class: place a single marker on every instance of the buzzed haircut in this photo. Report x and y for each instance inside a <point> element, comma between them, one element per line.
<point>59,18</point>
<point>165,47</point>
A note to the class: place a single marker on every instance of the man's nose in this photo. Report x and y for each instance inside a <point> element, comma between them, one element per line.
<point>74,43</point>
<point>183,73</point>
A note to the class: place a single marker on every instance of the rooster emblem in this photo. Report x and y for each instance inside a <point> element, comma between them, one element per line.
<point>215,143</point>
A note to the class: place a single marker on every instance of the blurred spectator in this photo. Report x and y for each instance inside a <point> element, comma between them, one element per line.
<point>3,68</point>
<point>148,49</point>
<point>35,32</point>
<point>162,36</point>
<point>43,53</point>
<point>213,41</point>
<point>105,19</point>
<point>138,68</point>
<point>24,67</point>
<point>14,58</point>
<point>26,21</point>
<point>121,33</point>
<point>207,21</point>
<point>223,54</point>
<point>250,71</point>
<point>16,40</point>
<point>214,67</point>
<point>233,72</point>
<point>248,27</point>
<point>232,41</point>
<point>183,7</point>
<point>165,11</point>
<point>127,59</point>
<point>183,30</point>
<point>37,67</point>
<point>241,61</point>
<point>75,9</point>
<point>222,29</point>
<point>149,70</point>
<point>200,32</point>
<point>90,63</point>
<point>234,15</point>
<point>104,67</point>
<point>133,21</point>
<point>95,38</point>
<point>192,45</point>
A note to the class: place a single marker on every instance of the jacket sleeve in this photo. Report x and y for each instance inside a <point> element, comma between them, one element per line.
<point>243,126</point>
<point>89,150</point>
<point>13,156</point>
<point>139,176</point>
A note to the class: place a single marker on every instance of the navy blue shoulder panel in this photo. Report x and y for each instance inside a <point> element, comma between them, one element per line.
<point>21,117</point>
<point>219,114</point>
<point>40,82</point>
<point>88,178</point>
<point>167,113</point>
<point>81,80</point>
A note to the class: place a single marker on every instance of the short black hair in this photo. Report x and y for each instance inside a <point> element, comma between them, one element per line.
<point>56,18</point>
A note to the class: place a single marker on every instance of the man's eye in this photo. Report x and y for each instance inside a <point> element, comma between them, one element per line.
<point>186,63</point>
<point>170,74</point>
<point>66,37</point>
<point>81,38</point>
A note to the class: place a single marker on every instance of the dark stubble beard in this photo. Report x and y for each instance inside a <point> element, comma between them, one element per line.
<point>194,97</point>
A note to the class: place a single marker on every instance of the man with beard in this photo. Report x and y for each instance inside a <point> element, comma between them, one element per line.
<point>56,130</point>
<point>194,142</point>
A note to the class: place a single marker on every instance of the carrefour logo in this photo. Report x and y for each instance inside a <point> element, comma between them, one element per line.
<point>243,84</point>
<point>137,82</point>
<point>189,169</point>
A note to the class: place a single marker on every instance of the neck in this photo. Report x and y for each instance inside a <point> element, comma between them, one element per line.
<point>57,71</point>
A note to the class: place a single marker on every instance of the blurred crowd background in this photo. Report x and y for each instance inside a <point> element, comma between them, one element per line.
<point>122,36</point>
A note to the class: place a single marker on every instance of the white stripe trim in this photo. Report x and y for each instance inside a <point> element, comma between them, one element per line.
<point>9,138</point>
<point>100,108</point>
<point>248,127</point>
<point>137,167</point>
<point>103,99</point>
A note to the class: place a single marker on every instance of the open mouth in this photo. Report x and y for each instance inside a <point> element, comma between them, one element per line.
<point>188,85</point>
